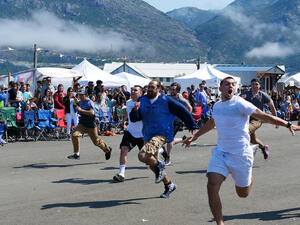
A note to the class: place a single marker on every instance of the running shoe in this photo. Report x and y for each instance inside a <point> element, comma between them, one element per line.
<point>159,171</point>
<point>265,152</point>
<point>169,188</point>
<point>108,154</point>
<point>74,156</point>
<point>119,178</point>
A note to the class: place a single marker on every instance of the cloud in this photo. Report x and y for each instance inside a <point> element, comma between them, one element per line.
<point>279,44</point>
<point>271,50</point>
<point>48,31</point>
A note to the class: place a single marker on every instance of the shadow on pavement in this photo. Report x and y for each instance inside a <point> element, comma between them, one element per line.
<point>191,171</point>
<point>268,216</point>
<point>127,168</point>
<point>45,166</point>
<point>87,182</point>
<point>97,204</point>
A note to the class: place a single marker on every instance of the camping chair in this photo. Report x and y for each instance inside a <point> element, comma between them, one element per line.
<point>9,115</point>
<point>61,118</point>
<point>197,115</point>
<point>30,123</point>
<point>44,124</point>
<point>116,126</point>
<point>3,129</point>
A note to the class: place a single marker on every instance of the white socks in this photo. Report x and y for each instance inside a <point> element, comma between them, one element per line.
<point>122,170</point>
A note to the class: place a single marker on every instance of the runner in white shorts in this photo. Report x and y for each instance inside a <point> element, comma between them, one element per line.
<point>233,153</point>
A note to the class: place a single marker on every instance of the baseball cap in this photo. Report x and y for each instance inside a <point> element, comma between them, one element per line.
<point>82,91</point>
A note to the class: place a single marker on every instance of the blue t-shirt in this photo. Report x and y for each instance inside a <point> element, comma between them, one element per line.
<point>87,121</point>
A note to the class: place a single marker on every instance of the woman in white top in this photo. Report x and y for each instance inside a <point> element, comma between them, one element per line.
<point>68,102</point>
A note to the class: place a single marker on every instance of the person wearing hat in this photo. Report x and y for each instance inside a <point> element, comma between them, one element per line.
<point>87,124</point>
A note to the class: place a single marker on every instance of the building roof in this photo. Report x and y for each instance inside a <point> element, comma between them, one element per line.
<point>248,68</point>
<point>154,70</point>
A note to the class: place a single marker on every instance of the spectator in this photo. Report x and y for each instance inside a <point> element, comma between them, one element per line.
<point>98,88</point>
<point>90,88</point>
<point>25,96</point>
<point>47,101</point>
<point>38,91</point>
<point>201,97</point>
<point>125,92</point>
<point>15,98</point>
<point>58,97</point>
<point>68,102</point>
<point>47,84</point>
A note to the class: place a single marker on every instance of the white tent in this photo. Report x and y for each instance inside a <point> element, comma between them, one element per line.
<point>91,72</point>
<point>211,75</point>
<point>291,80</point>
<point>133,79</point>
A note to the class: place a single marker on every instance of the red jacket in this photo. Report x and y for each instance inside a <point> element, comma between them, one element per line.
<point>58,100</point>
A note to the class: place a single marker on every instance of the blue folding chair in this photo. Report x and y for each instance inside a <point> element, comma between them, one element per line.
<point>30,123</point>
<point>44,124</point>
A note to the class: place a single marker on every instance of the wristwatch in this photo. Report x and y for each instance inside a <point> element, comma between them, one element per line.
<point>289,124</point>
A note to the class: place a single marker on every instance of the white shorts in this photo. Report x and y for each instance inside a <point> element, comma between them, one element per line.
<point>224,163</point>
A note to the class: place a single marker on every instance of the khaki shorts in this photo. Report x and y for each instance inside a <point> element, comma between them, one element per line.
<point>151,147</point>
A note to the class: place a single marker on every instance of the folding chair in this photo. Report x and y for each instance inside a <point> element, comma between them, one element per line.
<point>44,123</point>
<point>9,115</point>
<point>3,129</point>
<point>61,118</point>
<point>116,126</point>
<point>30,123</point>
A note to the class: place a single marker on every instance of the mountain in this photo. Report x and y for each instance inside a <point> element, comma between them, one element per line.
<point>253,31</point>
<point>191,16</point>
<point>251,5</point>
<point>153,35</point>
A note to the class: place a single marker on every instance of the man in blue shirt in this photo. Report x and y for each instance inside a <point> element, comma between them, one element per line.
<point>157,112</point>
<point>87,124</point>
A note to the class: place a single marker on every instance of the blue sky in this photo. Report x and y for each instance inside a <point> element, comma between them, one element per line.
<point>167,5</point>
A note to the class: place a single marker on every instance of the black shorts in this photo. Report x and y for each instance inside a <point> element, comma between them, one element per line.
<point>130,141</point>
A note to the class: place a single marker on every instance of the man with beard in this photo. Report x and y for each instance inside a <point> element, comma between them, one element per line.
<point>233,154</point>
<point>157,112</point>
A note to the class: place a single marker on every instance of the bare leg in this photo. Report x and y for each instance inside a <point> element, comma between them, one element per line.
<point>123,155</point>
<point>151,161</point>
<point>243,192</point>
<point>213,186</point>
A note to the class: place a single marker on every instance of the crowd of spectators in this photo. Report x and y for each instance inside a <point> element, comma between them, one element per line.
<point>111,101</point>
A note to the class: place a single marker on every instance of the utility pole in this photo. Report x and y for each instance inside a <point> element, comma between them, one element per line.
<point>34,56</point>
<point>124,64</point>
<point>198,63</point>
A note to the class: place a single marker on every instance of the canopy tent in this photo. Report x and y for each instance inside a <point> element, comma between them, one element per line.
<point>291,80</point>
<point>91,72</point>
<point>211,75</point>
<point>133,79</point>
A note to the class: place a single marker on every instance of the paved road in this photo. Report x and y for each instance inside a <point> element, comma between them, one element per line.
<point>39,185</point>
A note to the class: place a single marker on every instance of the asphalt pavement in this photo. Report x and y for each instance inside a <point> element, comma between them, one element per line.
<point>39,185</point>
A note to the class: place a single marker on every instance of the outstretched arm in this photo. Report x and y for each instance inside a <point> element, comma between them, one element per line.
<point>267,118</point>
<point>210,124</point>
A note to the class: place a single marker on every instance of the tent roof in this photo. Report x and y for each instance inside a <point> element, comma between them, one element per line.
<point>133,79</point>
<point>57,72</point>
<point>91,72</point>
<point>207,72</point>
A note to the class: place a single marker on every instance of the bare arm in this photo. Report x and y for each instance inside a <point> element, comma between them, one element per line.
<point>267,118</point>
<point>210,124</point>
<point>90,112</point>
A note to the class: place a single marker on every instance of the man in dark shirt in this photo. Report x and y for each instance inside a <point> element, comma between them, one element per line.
<point>259,99</point>
<point>98,88</point>
<point>87,124</point>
